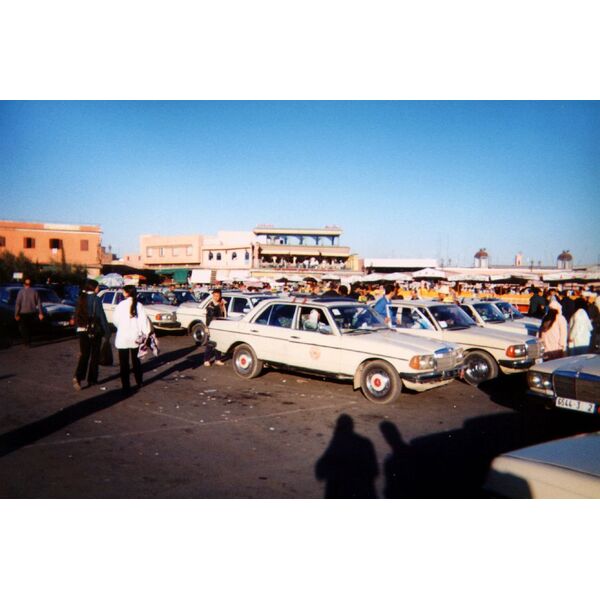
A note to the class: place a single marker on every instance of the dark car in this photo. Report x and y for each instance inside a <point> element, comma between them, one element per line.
<point>58,317</point>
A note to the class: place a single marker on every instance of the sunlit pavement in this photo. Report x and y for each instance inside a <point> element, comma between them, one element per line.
<point>196,432</point>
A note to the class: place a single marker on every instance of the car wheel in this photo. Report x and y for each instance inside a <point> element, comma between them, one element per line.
<point>380,383</point>
<point>199,332</point>
<point>245,362</point>
<point>479,367</point>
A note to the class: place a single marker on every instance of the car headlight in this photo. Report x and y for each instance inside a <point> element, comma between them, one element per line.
<point>422,362</point>
<point>540,382</point>
<point>517,351</point>
<point>459,355</point>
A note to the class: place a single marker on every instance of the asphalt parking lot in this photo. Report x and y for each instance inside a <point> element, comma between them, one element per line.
<point>196,432</point>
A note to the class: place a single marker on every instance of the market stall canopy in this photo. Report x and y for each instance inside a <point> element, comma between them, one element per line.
<point>330,277</point>
<point>560,276</point>
<point>429,273</point>
<point>178,275</point>
<point>397,277</point>
<point>373,277</point>
<point>200,276</point>
<point>475,277</point>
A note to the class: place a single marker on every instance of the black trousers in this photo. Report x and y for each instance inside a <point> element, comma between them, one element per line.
<point>89,355</point>
<point>26,324</point>
<point>124,355</point>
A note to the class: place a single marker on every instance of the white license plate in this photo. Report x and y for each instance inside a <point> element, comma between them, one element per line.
<point>587,407</point>
<point>63,323</point>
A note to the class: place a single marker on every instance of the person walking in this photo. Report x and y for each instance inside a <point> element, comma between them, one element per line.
<point>132,325</point>
<point>215,309</point>
<point>92,327</point>
<point>594,314</point>
<point>28,305</point>
<point>580,329</point>
<point>553,332</point>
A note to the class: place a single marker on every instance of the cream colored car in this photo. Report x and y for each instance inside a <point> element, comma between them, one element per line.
<point>160,312</point>
<point>567,468</point>
<point>336,338</point>
<point>487,352</point>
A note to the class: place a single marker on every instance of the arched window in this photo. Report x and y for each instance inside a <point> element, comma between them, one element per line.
<point>233,255</point>
<point>218,256</point>
<point>210,256</point>
<point>247,255</point>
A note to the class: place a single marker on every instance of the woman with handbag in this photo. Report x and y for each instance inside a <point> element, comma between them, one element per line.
<point>133,326</point>
<point>92,328</point>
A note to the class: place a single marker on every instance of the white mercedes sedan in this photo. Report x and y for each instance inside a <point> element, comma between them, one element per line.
<point>335,338</point>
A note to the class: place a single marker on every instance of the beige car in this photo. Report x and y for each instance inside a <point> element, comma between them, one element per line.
<point>487,352</point>
<point>567,468</point>
<point>335,338</point>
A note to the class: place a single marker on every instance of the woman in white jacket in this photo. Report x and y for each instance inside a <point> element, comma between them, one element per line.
<point>132,323</point>
<point>580,329</point>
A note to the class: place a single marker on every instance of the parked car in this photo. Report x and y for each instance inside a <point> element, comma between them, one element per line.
<point>340,339</point>
<point>567,468</point>
<point>487,352</point>
<point>58,316</point>
<point>158,309</point>
<point>570,383</point>
<point>192,315</point>
<point>488,314</point>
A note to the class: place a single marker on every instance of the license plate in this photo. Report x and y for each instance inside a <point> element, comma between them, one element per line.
<point>538,361</point>
<point>63,323</point>
<point>587,407</point>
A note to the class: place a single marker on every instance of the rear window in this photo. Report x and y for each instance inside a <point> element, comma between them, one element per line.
<point>108,297</point>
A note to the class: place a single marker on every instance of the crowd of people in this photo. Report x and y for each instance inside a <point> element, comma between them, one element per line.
<point>570,322</point>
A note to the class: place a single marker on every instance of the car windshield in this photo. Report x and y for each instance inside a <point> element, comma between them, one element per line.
<point>152,298</point>
<point>48,296</point>
<point>508,310</point>
<point>489,313</point>
<point>351,319</point>
<point>184,296</point>
<point>451,317</point>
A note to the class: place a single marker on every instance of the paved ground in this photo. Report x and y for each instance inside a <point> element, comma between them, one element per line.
<point>194,432</point>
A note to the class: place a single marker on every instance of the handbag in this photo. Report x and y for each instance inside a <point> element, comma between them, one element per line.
<point>106,354</point>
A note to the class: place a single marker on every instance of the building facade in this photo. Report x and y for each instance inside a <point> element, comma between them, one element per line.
<point>48,243</point>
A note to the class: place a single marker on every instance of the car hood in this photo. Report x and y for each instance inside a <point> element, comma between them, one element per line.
<point>389,340</point>
<point>584,363</point>
<point>159,308</point>
<point>53,308</point>
<point>514,326</point>
<point>484,336</point>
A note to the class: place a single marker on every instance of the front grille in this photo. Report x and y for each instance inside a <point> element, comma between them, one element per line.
<point>533,350</point>
<point>445,360</point>
<point>568,385</point>
<point>564,386</point>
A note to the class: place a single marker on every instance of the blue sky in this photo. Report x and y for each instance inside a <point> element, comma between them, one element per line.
<point>403,179</point>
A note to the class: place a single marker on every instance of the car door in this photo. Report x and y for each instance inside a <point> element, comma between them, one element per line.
<point>270,332</point>
<point>315,347</point>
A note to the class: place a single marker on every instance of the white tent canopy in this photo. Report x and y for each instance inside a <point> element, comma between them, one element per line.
<point>429,273</point>
<point>468,277</point>
<point>112,280</point>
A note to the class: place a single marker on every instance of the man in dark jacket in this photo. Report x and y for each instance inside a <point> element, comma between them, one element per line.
<point>27,306</point>
<point>568,306</point>
<point>216,309</point>
<point>537,305</point>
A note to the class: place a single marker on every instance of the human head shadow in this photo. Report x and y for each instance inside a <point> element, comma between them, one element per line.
<point>349,464</point>
<point>33,432</point>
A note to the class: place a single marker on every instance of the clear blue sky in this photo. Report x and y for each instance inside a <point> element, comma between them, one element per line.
<point>403,179</point>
